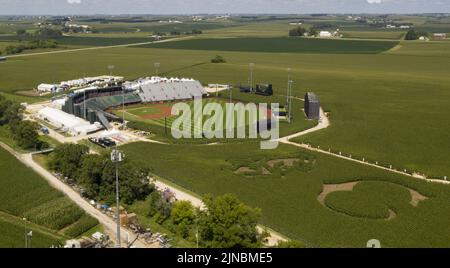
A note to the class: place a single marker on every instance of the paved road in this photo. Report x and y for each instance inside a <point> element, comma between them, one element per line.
<point>106,221</point>
<point>94,48</point>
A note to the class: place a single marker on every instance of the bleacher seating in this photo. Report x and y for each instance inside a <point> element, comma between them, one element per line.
<point>173,90</point>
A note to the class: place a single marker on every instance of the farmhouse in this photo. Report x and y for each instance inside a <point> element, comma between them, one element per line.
<point>312,106</point>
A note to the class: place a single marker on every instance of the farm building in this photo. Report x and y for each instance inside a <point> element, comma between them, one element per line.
<point>68,122</point>
<point>325,34</point>
<point>440,35</point>
<point>312,106</point>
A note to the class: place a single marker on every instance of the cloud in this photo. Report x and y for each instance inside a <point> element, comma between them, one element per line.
<point>74,2</point>
<point>374,1</point>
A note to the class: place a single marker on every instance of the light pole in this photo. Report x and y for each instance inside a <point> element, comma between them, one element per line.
<point>251,66</point>
<point>123,107</point>
<point>290,100</point>
<point>25,231</point>
<point>111,68</point>
<point>288,84</point>
<point>157,65</point>
<point>117,157</point>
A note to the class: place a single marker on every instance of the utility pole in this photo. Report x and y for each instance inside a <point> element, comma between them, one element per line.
<point>251,66</point>
<point>84,103</point>
<point>157,65</point>
<point>25,232</point>
<point>290,100</point>
<point>123,108</point>
<point>110,68</point>
<point>287,89</point>
<point>117,157</point>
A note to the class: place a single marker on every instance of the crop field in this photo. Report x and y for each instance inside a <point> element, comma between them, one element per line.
<point>13,233</point>
<point>289,199</point>
<point>371,98</point>
<point>25,195</point>
<point>281,45</point>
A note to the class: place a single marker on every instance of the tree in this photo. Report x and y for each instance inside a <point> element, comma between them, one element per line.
<point>228,223</point>
<point>25,134</point>
<point>412,35</point>
<point>299,31</point>
<point>134,184</point>
<point>312,32</point>
<point>160,209</point>
<point>218,59</point>
<point>183,217</point>
<point>9,111</point>
<point>91,174</point>
<point>21,32</point>
<point>68,158</point>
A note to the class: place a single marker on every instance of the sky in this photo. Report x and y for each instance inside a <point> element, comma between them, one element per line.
<point>90,7</point>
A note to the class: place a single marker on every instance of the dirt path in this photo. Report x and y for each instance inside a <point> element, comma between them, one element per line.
<point>329,188</point>
<point>106,221</point>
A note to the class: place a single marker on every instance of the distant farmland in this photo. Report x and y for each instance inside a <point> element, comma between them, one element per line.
<point>282,45</point>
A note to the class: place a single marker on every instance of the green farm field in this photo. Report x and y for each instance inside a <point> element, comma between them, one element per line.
<point>288,196</point>
<point>281,45</point>
<point>23,194</point>
<point>372,99</point>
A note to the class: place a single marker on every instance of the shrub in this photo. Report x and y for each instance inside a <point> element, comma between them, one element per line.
<point>218,59</point>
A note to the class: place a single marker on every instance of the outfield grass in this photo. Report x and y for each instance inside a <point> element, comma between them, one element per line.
<point>289,200</point>
<point>24,194</point>
<point>156,126</point>
<point>280,45</point>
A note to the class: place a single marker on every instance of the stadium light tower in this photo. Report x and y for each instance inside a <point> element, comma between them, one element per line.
<point>287,89</point>
<point>157,65</point>
<point>111,68</point>
<point>117,157</point>
<point>251,67</point>
<point>290,100</point>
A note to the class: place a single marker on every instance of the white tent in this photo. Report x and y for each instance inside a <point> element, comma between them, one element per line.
<point>73,124</point>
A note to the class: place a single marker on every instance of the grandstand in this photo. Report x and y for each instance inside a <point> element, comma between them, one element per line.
<point>157,89</point>
<point>91,103</point>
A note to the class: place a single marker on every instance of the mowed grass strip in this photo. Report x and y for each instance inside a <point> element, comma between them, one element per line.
<point>282,45</point>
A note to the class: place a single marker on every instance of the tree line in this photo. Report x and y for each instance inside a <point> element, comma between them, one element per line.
<point>24,133</point>
<point>35,44</point>
<point>301,31</point>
